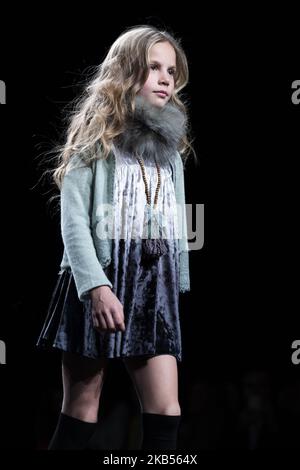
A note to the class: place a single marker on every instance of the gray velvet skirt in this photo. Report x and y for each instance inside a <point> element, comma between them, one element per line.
<point>149,293</point>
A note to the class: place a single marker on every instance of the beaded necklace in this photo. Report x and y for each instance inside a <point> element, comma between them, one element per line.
<point>152,248</point>
<point>146,184</point>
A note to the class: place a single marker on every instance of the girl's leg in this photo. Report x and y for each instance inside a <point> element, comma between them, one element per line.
<point>156,383</point>
<point>82,382</point>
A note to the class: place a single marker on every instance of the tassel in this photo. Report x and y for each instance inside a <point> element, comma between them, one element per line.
<point>153,248</point>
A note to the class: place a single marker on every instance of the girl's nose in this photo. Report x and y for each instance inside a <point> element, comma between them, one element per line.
<point>164,79</point>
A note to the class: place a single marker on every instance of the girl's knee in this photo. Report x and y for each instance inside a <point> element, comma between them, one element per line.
<point>81,410</point>
<point>82,402</point>
<point>170,409</point>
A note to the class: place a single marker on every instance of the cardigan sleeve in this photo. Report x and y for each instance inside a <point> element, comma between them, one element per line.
<point>76,197</point>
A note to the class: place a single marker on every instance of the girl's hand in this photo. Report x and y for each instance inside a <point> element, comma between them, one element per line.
<point>107,310</point>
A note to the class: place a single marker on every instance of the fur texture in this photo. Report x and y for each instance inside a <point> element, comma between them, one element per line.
<point>153,132</point>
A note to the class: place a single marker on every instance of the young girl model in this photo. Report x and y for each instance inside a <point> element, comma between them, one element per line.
<point>123,225</point>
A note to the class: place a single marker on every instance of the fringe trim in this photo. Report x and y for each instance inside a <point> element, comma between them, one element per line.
<point>184,275</point>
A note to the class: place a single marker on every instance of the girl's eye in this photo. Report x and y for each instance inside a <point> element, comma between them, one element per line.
<point>155,67</point>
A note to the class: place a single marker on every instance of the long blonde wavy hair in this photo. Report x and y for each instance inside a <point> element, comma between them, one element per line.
<point>99,115</point>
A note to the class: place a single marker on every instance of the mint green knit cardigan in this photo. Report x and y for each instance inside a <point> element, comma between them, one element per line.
<point>83,189</point>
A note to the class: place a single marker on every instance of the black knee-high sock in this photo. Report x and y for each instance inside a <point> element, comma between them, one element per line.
<point>71,433</point>
<point>160,431</point>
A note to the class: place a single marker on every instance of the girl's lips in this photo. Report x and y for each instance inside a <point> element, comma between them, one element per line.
<point>161,93</point>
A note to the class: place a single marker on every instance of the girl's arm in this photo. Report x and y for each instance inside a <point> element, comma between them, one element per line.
<point>76,233</point>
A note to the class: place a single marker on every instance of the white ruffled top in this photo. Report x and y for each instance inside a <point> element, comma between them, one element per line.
<point>130,199</point>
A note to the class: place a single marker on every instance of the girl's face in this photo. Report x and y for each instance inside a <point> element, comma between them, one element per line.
<point>159,85</point>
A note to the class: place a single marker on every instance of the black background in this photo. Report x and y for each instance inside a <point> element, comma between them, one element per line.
<point>241,315</point>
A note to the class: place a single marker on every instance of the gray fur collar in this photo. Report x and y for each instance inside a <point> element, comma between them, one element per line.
<point>152,132</point>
